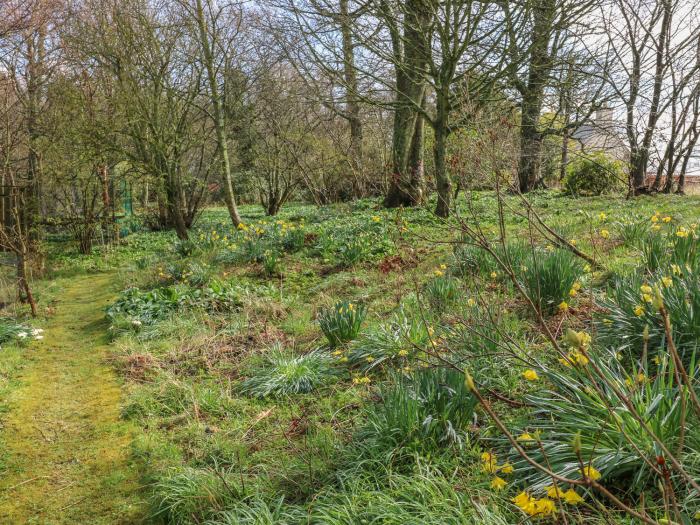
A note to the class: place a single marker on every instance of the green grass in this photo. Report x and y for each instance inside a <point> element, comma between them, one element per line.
<point>378,428</point>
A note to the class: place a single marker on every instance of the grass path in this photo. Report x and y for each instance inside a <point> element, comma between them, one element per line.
<point>67,451</point>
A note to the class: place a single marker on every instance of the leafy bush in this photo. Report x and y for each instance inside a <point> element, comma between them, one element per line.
<point>550,277</point>
<point>593,174</point>
<point>342,322</point>
<point>283,374</point>
<point>426,412</point>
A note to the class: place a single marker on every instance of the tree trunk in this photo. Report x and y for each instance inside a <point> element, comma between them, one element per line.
<point>23,283</point>
<point>407,180</point>
<point>352,109</point>
<point>532,93</point>
<point>219,123</point>
<point>442,176</point>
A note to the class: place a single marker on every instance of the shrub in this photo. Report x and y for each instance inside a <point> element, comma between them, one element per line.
<point>283,374</point>
<point>342,322</point>
<point>550,277</point>
<point>593,174</point>
<point>193,273</point>
<point>426,412</point>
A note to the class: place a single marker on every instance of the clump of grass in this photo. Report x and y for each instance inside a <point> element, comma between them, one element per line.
<point>426,412</point>
<point>284,374</point>
<point>271,263</point>
<point>398,338</point>
<point>549,278</point>
<point>188,495</point>
<point>424,497</point>
<point>342,322</point>
<point>577,407</point>
<point>632,232</point>
<point>442,292</point>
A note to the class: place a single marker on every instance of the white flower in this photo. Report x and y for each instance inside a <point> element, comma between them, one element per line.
<point>136,322</point>
<point>38,337</point>
<point>21,335</point>
<point>37,331</point>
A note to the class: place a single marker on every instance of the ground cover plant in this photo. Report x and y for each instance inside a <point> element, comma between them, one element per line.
<point>489,379</point>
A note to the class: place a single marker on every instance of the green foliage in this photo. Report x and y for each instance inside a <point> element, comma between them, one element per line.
<point>285,374</point>
<point>342,322</point>
<point>193,273</point>
<point>549,276</point>
<point>442,292</point>
<point>594,174</point>
<point>149,306</point>
<point>271,263</point>
<point>187,495</point>
<point>612,439</point>
<point>633,232</point>
<point>425,497</point>
<point>426,412</point>
<point>629,312</point>
<point>10,330</point>
<point>395,339</point>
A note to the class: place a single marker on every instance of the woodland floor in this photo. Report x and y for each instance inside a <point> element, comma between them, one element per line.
<point>67,449</point>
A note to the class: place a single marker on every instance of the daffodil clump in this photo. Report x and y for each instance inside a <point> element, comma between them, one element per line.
<point>578,343</point>
<point>341,323</point>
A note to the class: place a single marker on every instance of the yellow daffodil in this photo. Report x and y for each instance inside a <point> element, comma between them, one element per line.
<point>525,437</point>
<point>494,275</point>
<point>555,492</point>
<point>563,306</point>
<point>591,473</point>
<point>666,219</point>
<point>639,310</point>
<point>667,282</point>
<point>572,497</point>
<point>471,302</point>
<point>645,288</point>
<point>507,468</point>
<point>530,375</point>
<point>604,234</point>
<point>498,483</point>
<point>602,216</point>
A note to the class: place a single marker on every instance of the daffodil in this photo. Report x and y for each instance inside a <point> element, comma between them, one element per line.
<point>555,492</point>
<point>525,437</point>
<point>563,306</point>
<point>572,497</point>
<point>507,468</point>
<point>666,219</point>
<point>645,288</point>
<point>639,310</point>
<point>604,234</point>
<point>530,375</point>
<point>498,483</point>
<point>591,473</point>
<point>667,282</point>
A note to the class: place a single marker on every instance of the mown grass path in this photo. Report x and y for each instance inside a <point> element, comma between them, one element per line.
<point>65,447</point>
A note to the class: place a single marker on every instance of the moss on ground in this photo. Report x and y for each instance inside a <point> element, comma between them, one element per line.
<point>67,451</point>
